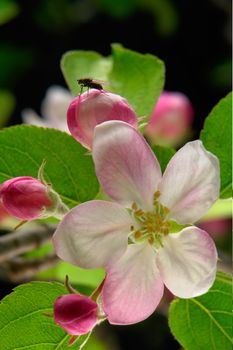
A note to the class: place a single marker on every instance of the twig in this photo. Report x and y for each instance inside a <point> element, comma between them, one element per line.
<point>20,269</point>
<point>22,241</point>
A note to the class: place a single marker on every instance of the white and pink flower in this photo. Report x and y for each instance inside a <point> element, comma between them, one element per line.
<point>132,236</point>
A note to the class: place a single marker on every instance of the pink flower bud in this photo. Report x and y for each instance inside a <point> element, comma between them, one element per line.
<point>3,212</point>
<point>24,197</point>
<point>75,313</point>
<point>95,107</point>
<point>171,119</point>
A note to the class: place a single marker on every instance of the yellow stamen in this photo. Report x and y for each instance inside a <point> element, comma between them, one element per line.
<point>138,234</point>
<point>166,210</point>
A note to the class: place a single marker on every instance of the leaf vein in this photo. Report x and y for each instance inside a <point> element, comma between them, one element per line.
<point>24,316</point>
<point>212,318</point>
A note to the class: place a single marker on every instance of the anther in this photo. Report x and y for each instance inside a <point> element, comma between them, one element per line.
<point>166,210</point>
<point>165,231</point>
<point>139,212</point>
<point>151,240</point>
<point>134,206</point>
<point>138,234</point>
<point>157,194</point>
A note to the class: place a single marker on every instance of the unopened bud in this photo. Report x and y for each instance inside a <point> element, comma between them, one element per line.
<point>76,313</point>
<point>95,107</point>
<point>171,119</point>
<point>28,198</point>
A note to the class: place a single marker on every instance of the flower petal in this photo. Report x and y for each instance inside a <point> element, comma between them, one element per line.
<point>187,262</point>
<point>125,165</point>
<point>190,183</point>
<point>93,234</point>
<point>133,287</point>
<point>55,105</point>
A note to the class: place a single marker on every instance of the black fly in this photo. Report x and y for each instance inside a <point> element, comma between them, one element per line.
<point>90,84</point>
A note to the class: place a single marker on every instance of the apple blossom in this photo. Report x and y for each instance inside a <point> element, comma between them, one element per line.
<point>53,109</point>
<point>132,237</point>
<point>94,107</point>
<point>76,313</point>
<point>171,119</point>
<point>27,198</point>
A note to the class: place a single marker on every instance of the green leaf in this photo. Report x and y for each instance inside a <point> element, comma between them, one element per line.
<point>90,278</point>
<point>137,77</point>
<point>8,10</point>
<point>205,322</point>
<point>23,324</point>
<point>216,137</point>
<point>84,64</point>
<point>222,208</point>
<point>163,154</point>
<point>68,168</point>
<point>7,105</point>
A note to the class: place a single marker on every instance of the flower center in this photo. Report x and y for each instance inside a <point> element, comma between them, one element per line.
<point>153,224</point>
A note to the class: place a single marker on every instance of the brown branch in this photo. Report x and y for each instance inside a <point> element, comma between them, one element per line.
<point>20,269</point>
<point>24,240</point>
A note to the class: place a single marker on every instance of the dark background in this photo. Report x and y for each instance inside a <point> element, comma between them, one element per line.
<point>194,44</point>
<point>192,37</point>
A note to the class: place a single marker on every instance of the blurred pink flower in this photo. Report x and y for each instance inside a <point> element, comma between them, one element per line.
<point>130,237</point>
<point>53,109</point>
<point>171,119</point>
<point>217,228</point>
<point>76,313</point>
<point>94,107</point>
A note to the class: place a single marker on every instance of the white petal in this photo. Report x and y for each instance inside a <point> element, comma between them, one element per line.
<point>30,117</point>
<point>93,234</point>
<point>133,287</point>
<point>190,183</point>
<point>125,165</point>
<point>55,105</point>
<point>187,262</point>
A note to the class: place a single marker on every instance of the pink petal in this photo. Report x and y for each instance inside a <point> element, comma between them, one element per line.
<point>75,313</point>
<point>190,183</point>
<point>93,234</point>
<point>125,165</point>
<point>94,107</point>
<point>187,262</point>
<point>133,287</point>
